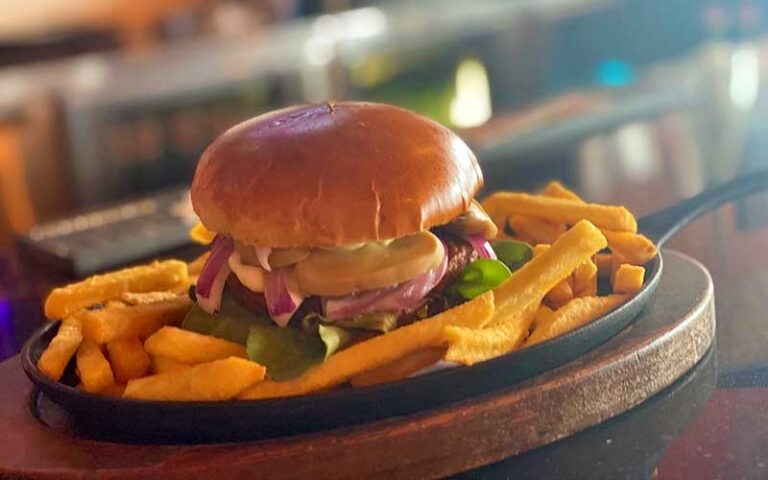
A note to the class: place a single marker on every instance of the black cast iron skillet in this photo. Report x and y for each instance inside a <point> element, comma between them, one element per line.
<point>126,420</point>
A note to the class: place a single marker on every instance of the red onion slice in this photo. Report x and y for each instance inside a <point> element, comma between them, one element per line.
<point>262,255</point>
<point>221,249</point>
<point>212,303</point>
<point>481,246</point>
<point>282,299</point>
<point>399,298</point>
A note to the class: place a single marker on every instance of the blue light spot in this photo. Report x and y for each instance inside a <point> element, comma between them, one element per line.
<point>613,72</point>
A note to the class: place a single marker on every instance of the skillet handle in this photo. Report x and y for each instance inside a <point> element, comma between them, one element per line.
<point>660,226</point>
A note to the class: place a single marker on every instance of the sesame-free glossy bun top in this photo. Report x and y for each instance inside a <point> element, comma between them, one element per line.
<point>333,174</point>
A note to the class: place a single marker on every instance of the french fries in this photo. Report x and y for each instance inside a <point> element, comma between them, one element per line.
<point>401,368</point>
<point>634,248</point>
<point>543,313</point>
<point>93,368</point>
<point>55,358</point>
<point>378,351</point>
<point>165,275</point>
<point>576,313</point>
<point>535,230</point>
<point>556,189</point>
<point>562,211</point>
<point>190,347</point>
<point>604,262</point>
<point>201,235</point>
<point>128,359</point>
<point>207,382</point>
<point>520,295</point>
<point>628,278</point>
<point>163,364</point>
<point>585,279</point>
<point>120,322</point>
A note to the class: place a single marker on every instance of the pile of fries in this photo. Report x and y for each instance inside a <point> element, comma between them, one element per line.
<point>122,328</point>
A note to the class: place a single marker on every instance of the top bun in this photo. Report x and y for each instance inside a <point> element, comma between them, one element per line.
<point>333,174</point>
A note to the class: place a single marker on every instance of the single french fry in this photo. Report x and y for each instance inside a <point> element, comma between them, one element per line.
<point>196,265</point>
<point>201,235</point>
<point>518,298</point>
<point>165,275</point>
<point>543,313</point>
<point>604,262</point>
<point>628,279</point>
<point>163,364</point>
<point>634,248</point>
<point>120,322</point>
<point>558,190</point>
<point>403,367</point>
<point>585,280</point>
<point>214,381</point>
<point>535,230</point>
<point>93,368</point>
<point>59,351</point>
<point>191,347</point>
<point>128,359</point>
<point>377,351</point>
<point>564,211</point>
<point>470,346</point>
<point>576,313</point>
<point>561,293</point>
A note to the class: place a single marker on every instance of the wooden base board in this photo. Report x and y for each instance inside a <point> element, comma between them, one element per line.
<point>669,338</point>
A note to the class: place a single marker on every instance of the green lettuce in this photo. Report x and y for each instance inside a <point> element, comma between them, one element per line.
<point>286,352</point>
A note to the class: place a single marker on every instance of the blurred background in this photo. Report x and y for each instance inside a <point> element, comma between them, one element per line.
<point>105,106</point>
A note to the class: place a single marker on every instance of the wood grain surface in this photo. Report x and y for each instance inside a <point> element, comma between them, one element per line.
<point>667,340</point>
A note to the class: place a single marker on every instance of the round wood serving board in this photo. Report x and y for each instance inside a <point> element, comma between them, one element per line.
<point>669,338</point>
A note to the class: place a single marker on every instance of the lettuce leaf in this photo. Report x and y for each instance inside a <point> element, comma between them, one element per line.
<point>286,352</point>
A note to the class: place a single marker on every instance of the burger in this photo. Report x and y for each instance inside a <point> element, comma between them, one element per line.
<point>333,222</point>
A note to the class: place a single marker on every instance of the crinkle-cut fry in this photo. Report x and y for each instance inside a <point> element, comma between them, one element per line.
<point>532,281</point>
<point>403,367</point>
<point>535,230</point>
<point>196,265</point>
<point>574,314</point>
<point>128,359</point>
<point>190,347</point>
<point>543,313</point>
<point>214,381</point>
<point>634,248</point>
<point>558,190</point>
<point>201,235</point>
<point>163,364</point>
<point>585,279</point>
<point>472,345</point>
<point>565,211</point>
<point>378,351</point>
<point>59,351</point>
<point>628,279</point>
<point>117,321</point>
<point>604,262</point>
<point>93,368</point>
<point>164,275</point>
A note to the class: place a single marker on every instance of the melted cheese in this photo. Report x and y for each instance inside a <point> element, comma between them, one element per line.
<point>250,276</point>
